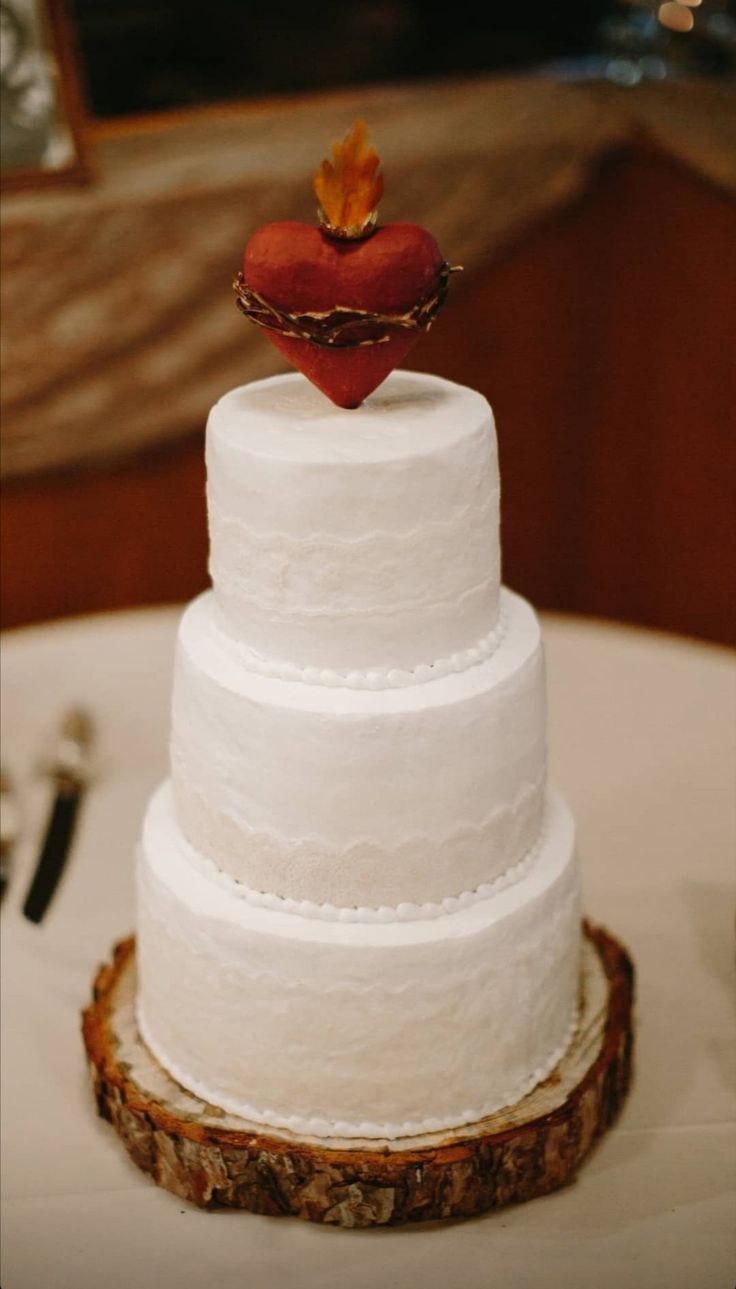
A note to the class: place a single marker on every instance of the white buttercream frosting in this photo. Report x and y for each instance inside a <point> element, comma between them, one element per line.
<point>358,902</point>
<point>360,797</point>
<point>373,678</point>
<point>354,540</point>
<point>404,912</point>
<point>365,1029</point>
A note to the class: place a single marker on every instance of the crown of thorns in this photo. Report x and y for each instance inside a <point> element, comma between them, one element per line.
<point>343,327</point>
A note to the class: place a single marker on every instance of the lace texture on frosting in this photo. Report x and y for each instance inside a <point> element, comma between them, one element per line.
<point>477,513</point>
<point>316,1126</point>
<point>171,925</point>
<point>232,584</point>
<point>375,678</point>
<point>311,577</point>
<point>406,911</point>
<point>219,837</point>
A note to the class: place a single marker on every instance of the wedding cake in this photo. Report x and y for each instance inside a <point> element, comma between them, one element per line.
<point>360,992</point>
<point>358,909</point>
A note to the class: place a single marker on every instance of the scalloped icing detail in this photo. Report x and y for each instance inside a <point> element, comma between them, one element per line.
<point>481,974</point>
<point>477,511</point>
<point>316,1126</point>
<point>376,678</point>
<point>225,581</point>
<point>363,851</point>
<point>406,911</point>
<point>478,976</point>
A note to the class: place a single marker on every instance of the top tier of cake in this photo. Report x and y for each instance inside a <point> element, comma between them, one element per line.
<point>354,540</point>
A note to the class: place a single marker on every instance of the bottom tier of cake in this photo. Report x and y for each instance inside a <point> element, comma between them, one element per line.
<point>306,1018</point>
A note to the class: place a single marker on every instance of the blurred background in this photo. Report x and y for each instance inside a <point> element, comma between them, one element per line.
<point>578,159</point>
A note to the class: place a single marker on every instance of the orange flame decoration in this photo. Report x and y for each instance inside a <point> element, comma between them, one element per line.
<point>350,186</point>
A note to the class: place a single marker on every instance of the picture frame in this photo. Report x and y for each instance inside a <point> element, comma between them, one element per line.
<point>43,114</point>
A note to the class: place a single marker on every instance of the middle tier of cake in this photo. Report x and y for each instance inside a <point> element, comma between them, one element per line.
<point>365,791</point>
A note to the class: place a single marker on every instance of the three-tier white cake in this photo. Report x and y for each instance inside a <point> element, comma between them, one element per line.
<point>358,897</point>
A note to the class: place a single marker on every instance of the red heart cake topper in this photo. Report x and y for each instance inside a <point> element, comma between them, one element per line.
<point>344,302</point>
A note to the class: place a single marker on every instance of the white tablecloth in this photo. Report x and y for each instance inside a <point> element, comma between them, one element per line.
<point>643,743</point>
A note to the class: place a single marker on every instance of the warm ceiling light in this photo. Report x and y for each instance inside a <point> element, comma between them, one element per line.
<point>676,17</point>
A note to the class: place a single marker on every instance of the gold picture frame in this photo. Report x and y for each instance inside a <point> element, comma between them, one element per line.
<point>42,118</point>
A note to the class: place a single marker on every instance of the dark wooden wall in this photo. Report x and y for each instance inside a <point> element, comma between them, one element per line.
<point>602,340</point>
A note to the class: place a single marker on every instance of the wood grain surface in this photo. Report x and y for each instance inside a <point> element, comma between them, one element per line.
<point>216,1160</point>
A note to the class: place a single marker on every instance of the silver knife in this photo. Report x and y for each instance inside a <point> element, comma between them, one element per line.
<point>69,771</point>
<point>9,828</point>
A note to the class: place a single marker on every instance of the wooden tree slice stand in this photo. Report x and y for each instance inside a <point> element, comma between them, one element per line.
<point>214,1159</point>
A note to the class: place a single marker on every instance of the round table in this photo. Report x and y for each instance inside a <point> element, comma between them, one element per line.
<point>642,731</point>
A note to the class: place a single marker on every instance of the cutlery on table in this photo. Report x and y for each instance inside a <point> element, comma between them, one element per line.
<point>9,827</point>
<point>69,772</point>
